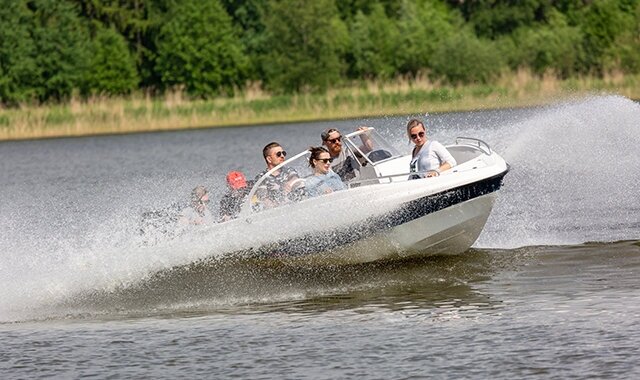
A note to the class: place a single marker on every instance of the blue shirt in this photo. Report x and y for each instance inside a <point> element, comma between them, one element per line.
<point>322,184</point>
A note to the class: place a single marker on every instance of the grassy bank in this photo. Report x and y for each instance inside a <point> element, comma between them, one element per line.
<point>174,112</point>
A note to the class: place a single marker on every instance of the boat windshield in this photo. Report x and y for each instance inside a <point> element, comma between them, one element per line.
<point>371,146</point>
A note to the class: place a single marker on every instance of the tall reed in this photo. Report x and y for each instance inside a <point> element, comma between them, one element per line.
<point>252,105</point>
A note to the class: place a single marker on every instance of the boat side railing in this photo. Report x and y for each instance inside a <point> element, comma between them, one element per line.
<point>401,177</point>
<point>476,142</point>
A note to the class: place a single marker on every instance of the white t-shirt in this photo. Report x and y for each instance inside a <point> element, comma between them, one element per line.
<point>430,157</point>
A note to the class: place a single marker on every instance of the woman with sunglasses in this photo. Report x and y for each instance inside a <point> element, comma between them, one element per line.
<point>324,180</point>
<point>428,158</point>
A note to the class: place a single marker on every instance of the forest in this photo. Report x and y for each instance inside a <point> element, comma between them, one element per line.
<point>53,50</point>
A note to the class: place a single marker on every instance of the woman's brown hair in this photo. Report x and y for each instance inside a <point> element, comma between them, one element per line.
<point>315,153</point>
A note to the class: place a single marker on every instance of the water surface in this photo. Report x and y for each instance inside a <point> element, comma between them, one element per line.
<point>550,289</point>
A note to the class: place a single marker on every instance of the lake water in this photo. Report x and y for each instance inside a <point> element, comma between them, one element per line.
<point>551,289</point>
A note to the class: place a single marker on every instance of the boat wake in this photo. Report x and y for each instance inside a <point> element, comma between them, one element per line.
<point>574,176</point>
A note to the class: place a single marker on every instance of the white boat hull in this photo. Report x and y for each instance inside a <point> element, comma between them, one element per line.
<point>446,232</point>
<point>450,231</point>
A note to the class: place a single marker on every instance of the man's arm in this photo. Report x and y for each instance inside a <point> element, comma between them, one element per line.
<point>367,143</point>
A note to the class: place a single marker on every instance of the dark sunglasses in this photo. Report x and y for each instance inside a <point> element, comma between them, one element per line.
<point>414,136</point>
<point>333,141</point>
<point>281,153</point>
<point>325,160</point>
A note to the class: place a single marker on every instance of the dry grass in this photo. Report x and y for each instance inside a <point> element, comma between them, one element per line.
<point>252,105</point>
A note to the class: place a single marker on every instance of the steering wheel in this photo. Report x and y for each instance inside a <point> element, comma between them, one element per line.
<point>378,155</point>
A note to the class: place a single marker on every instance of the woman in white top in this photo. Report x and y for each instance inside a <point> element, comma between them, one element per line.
<point>429,158</point>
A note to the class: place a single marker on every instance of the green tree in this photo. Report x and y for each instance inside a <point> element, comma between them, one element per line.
<point>493,18</point>
<point>423,26</point>
<point>374,42</point>
<point>198,49</point>
<point>602,23</point>
<point>554,46</point>
<point>463,58</point>
<point>129,17</point>
<point>18,69</point>
<point>348,9</point>
<point>136,20</point>
<point>306,41</point>
<point>62,45</point>
<point>624,53</point>
<point>248,22</point>
<point>113,69</point>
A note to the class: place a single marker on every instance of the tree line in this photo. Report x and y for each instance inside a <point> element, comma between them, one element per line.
<point>51,50</point>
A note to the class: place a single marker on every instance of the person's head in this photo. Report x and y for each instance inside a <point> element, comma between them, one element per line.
<point>416,132</point>
<point>273,154</point>
<point>320,159</point>
<point>199,197</point>
<point>332,139</point>
<point>236,180</point>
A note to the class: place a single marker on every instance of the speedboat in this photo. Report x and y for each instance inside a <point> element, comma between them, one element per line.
<point>383,215</point>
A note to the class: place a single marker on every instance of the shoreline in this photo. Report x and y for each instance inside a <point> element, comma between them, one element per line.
<point>143,114</point>
<point>267,122</point>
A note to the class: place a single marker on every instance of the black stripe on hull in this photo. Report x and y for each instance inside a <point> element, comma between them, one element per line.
<point>417,208</point>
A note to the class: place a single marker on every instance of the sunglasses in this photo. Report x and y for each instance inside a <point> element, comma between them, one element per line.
<point>281,153</point>
<point>333,141</point>
<point>414,136</point>
<point>325,160</point>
